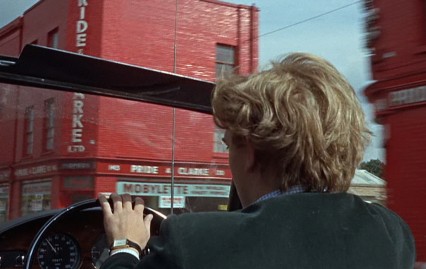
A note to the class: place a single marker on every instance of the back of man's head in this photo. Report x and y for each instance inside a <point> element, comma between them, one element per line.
<point>302,117</point>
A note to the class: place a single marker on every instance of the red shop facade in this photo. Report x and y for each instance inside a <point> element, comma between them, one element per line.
<point>396,39</point>
<point>59,152</point>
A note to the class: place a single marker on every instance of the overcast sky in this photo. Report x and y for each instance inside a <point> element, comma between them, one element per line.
<point>332,29</point>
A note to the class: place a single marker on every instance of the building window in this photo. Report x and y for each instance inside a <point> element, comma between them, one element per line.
<point>225,64</point>
<point>225,60</point>
<point>53,38</point>
<point>36,197</point>
<point>218,145</point>
<point>29,131</point>
<point>49,124</point>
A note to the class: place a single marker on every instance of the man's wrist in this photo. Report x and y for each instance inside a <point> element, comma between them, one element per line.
<point>128,250</point>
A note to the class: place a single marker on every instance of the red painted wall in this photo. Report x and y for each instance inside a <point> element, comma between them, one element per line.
<point>399,95</point>
<point>401,45</point>
<point>42,18</point>
<point>8,103</point>
<point>199,26</point>
<point>10,38</point>
<point>35,97</point>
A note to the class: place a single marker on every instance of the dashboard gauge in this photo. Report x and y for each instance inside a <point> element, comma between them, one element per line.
<point>59,251</point>
<point>100,251</point>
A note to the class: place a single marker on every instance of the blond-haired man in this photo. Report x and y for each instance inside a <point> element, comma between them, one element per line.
<point>296,133</point>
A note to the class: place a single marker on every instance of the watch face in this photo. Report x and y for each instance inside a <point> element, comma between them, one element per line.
<point>119,242</point>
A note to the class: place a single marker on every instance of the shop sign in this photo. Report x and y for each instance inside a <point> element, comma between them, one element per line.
<point>165,202</point>
<point>81,26</point>
<point>36,170</point>
<point>77,124</point>
<point>407,96</point>
<point>144,169</point>
<point>163,170</point>
<point>162,189</point>
<point>76,165</point>
<point>400,98</point>
<point>82,182</point>
<point>193,171</point>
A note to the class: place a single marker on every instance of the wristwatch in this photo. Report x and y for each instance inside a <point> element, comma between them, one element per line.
<point>125,243</point>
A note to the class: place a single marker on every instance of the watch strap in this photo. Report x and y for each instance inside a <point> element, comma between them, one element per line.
<point>125,243</point>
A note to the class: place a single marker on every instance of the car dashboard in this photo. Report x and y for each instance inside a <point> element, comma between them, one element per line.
<point>76,241</point>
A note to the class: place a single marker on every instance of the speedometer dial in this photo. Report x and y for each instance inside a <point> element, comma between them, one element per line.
<point>59,251</point>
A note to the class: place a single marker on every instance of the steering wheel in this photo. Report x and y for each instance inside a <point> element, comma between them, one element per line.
<point>66,212</point>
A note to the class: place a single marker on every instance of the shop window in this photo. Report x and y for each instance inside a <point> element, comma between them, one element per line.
<point>225,60</point>
<point>218,145</point>
<point>49,124</point>
<point>29,131</point>
<point>53,38</point>
<point>36,197</point>
<point>4,198</point>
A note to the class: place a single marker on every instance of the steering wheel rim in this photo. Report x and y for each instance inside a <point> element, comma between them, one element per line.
<point>79,206</point>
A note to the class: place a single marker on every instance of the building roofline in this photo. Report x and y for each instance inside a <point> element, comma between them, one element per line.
<point>223,3</point>
<point>33,6</point>
<point>11,26</point>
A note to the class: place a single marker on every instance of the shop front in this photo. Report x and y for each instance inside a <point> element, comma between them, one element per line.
<point>185,187</point>
<point>34,186</point>
<point>36,196</point>
<point>186,197</point>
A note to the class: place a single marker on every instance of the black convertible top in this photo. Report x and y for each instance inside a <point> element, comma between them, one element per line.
<point>57,69</point>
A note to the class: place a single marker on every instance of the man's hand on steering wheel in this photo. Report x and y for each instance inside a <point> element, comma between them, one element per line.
<point>124,219</point>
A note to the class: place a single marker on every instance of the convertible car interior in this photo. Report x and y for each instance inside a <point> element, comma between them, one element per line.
<point>73,237</point>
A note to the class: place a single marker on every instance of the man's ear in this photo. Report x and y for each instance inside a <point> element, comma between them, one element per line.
<point>250,164</point>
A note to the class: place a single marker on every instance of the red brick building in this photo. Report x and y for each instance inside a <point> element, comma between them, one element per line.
<point>64,147</point>
<point>396,38</point>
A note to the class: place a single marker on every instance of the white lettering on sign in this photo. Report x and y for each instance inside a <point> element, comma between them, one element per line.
<point>114,167</point>
<point>193,171</point>
<point>77,148</point>
<point>77,165</point>
<point>36,170</point>
<point>81,27</point>
<point>144,169</point>
<point>408,96</point>
<point>77,124</point>
<point>166,202</point>
<point>220,172</point>
<point>157,189</point>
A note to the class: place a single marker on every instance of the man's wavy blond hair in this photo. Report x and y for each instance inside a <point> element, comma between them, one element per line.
<point>303,119</point>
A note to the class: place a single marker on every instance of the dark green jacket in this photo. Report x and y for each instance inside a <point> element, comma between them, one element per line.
<point>307,230</point>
